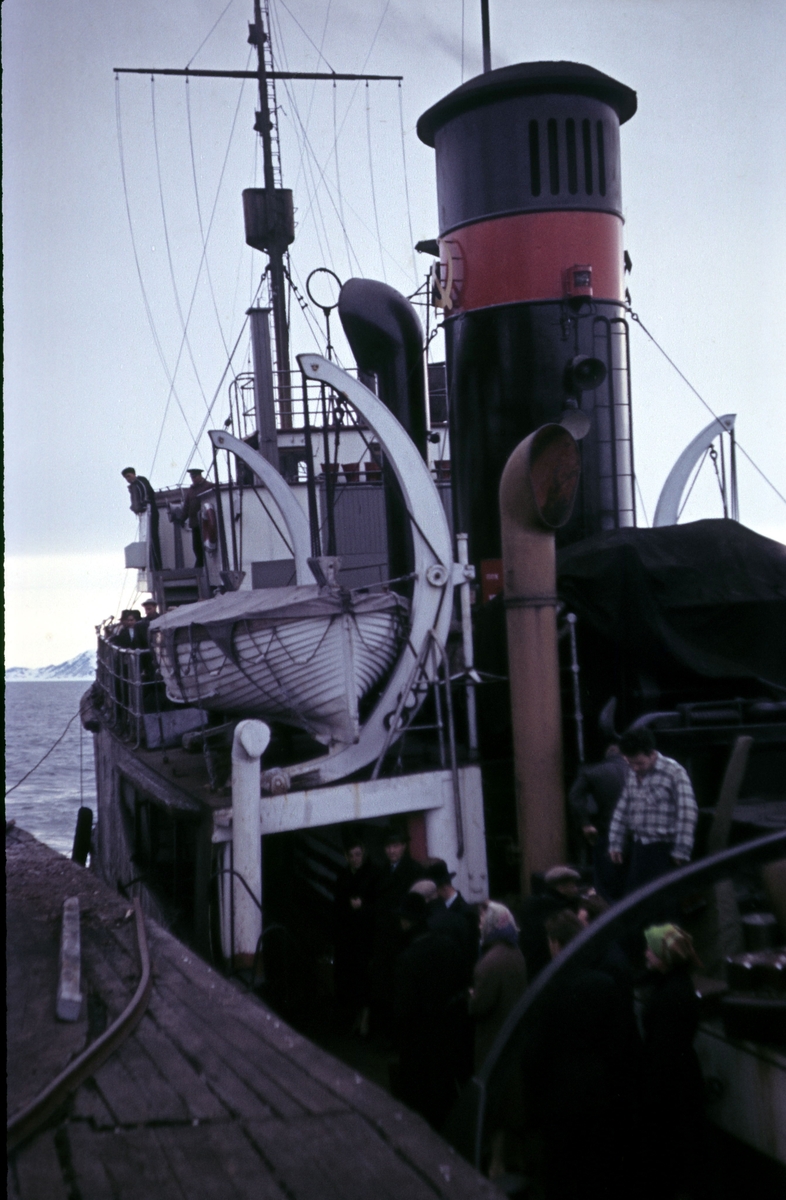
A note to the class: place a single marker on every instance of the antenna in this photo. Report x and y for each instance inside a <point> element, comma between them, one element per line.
<point>486,34</point>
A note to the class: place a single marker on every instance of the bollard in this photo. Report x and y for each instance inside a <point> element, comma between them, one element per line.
<point>248,746</point>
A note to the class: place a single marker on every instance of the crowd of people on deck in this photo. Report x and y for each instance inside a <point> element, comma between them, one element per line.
<point>607,1100</point>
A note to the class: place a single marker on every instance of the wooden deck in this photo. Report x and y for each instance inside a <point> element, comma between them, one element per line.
<point>212,1095</point>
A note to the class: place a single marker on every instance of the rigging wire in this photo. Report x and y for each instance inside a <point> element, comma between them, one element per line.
<point>199,215</point>
<point>183,323</point>
<point>406,183</point>
<point>635,317</point>
<point>373,189</point>
<point>323,178</point>
<point>693,484</point>
<point>196,283</point>
<point>641,500</point>
<point>203,426</point>
<point>338,183</point>
<point>323,168</point>
<point>212,31</point>
<point>462,41</point>
<point>307,36</point>
<point>306,166</point>
<point>137,263</point>
<point>49,751</point>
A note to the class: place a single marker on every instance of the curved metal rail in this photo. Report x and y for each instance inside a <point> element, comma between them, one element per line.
<point>294,517</point>
<point>465,1126</point>
<point>433,587</point>
<point>668,506</point>
<point>29,1119</point>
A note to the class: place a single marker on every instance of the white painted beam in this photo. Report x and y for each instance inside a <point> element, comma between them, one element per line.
<point>69,993</point>
<point>249,744</point>
<point>430,792</point>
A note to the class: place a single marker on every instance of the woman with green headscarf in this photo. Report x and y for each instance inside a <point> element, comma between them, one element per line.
<point>674,1124</point>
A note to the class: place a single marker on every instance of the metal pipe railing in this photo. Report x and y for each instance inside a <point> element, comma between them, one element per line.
<point>466,1123</point>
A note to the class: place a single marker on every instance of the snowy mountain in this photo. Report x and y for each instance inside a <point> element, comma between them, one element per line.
<point>81,667</point>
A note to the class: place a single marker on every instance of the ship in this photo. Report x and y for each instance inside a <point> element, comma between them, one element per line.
<point>343,579</point>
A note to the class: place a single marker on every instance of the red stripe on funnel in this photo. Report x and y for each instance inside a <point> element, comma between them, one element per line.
<point>520,259</point>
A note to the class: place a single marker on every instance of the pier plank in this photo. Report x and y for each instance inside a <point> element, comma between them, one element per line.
<point>334,1158</point>
<point>38,1170</point>
<point>125,1100</point>
<point>282,1081</point>
<point>218,1163</point>
<point>199,1045</point>
<point>162,1100</point>
<point>201,1103</point>
<point>125,1163</point>
<point>88,1105</point>
<point>246,1062</point>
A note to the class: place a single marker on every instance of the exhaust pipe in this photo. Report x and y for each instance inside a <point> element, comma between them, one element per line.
<point>536,496</point>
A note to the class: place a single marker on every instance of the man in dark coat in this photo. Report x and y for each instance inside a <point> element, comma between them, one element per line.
<point>394,881</point>
<point>132,634</point>
<point>592,800</point>
<point>355,895</point>
<point>428,973</point>
<point>192,512</point>
<point>582,1079</point>
<point>143,499</point>
<point>449,914</point>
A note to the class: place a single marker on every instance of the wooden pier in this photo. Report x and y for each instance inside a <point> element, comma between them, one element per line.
<point>211,1096</point>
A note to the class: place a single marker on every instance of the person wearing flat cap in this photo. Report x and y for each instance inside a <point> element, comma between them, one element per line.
<point>191,512</point>
<point>561,890</point>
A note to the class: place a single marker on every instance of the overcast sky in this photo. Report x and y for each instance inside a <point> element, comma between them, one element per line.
<point>94,319</point>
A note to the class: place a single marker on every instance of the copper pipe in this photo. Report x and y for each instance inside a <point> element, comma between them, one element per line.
<point>536,495</point>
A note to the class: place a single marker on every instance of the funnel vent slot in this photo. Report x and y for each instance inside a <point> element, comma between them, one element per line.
<point>586,133</point>
<point>534,158</point>
<point>601,160</point>
<point>553,156</point>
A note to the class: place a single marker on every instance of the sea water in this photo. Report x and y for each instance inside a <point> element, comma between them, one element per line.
<point>46,804</point>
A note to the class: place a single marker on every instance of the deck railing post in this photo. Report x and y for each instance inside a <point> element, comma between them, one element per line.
<point>249,744</point>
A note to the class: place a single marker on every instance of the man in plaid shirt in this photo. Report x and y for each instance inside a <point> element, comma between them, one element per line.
<point>657,807</point>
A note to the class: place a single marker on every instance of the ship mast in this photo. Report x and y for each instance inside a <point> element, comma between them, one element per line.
<point>277,235</point>
<point>276,247</point>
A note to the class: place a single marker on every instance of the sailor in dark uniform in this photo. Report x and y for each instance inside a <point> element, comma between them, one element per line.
<point>192,512</point>
<point>143,499</point>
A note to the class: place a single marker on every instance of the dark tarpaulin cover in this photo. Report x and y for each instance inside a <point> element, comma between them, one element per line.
<point>711,593</point>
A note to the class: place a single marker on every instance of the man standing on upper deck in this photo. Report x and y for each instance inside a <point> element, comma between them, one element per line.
<point>657,807</point>
<point>192,512</point>
<point>143,499</point>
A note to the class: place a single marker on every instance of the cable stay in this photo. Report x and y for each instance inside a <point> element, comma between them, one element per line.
<point>137,263</point>
<point>635,317</point>
<point>183,322</point>
<point>373,188</point>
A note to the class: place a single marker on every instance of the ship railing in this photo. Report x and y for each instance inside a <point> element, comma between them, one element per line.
<point>130,688</point>
<point>467,1127</point>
